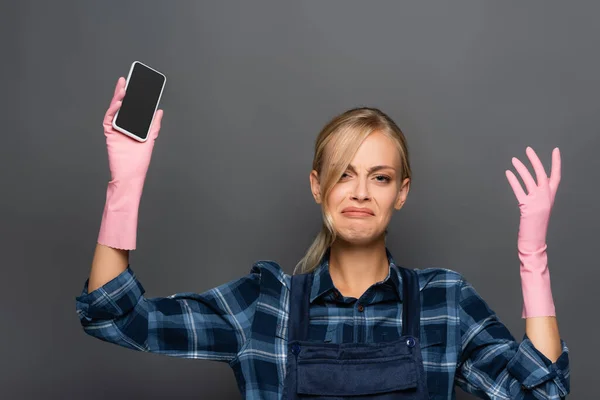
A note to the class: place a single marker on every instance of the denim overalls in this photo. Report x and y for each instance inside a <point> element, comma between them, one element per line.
<point>382,371</point>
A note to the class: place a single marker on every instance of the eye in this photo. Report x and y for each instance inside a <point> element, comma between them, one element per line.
<point>383,178</point>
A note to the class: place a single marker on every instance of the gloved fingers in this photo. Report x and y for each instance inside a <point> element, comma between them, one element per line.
<point>156,124</point>
<point>115,103</point>
<point>119,93</point>
<point>555,174</point>
<point>538,167</point>
<point>110,114</point>
<point>120,85</point>
<point>516,186</point>
<point>525,175</point>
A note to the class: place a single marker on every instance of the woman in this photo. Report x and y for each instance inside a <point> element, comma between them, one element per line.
<point>351,322</point>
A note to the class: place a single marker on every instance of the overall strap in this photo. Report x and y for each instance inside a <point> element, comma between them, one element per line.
<point>299,302</point>
<point>411,307</point>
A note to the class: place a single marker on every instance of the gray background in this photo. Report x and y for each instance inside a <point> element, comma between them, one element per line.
<point>471,83</point>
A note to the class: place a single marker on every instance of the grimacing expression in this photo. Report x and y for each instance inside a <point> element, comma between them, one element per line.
<point>362,202</point>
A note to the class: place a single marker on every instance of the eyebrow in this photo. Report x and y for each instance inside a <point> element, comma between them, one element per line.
<point>372,169</point>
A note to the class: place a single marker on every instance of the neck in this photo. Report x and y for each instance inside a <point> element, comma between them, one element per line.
<point>354,269</point>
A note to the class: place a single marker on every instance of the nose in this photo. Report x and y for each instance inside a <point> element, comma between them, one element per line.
<point>360,191</point>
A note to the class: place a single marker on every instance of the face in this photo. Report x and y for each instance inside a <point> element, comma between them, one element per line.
<point>363,200</point>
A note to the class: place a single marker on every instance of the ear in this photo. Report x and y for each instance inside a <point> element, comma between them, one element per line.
<point>315,187</point>
<point>402,194</point>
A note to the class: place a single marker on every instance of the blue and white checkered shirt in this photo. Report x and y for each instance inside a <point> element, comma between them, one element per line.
<point>244,323</point>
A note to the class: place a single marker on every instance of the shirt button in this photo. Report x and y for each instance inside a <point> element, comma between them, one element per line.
<point>296,348</point>
<point>361,308</point>
<point>410,342</point>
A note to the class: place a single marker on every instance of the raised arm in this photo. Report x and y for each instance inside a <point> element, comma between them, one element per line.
<point>128,162</point>
<point>112,307</point>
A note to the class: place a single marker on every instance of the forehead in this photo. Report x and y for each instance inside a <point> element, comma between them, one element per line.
<point>377,148</point>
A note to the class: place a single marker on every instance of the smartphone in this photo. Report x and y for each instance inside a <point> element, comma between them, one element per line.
<point>143,91</point>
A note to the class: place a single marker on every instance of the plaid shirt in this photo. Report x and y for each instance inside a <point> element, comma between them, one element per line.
<point>244,323</point>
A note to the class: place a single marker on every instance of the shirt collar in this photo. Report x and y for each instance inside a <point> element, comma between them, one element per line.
<point>322,283</point>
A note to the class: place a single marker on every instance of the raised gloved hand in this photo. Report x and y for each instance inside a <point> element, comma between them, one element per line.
<point>535,208</point>
<point>128,161</point>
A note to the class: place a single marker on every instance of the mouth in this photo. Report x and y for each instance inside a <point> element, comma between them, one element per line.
<point>357,212</point>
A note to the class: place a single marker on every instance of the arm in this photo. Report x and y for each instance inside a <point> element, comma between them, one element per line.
<point>535,209</point>
<point>493,365</point>
<point>107,264</point>
<point>128,162</point>
<point>213,325</point>
<point>543,333</point>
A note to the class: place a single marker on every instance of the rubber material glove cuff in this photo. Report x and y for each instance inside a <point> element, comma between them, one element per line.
<point>120,217</point>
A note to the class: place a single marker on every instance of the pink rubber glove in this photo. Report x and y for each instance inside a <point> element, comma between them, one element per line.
<point>535,207</point>
<point>128,161</point>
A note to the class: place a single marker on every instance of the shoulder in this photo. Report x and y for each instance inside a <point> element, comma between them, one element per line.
<point>271,274</point>
<point>440,289</point>
<point>445,284</point>
<point>430,278</point>
<point>274,293</point>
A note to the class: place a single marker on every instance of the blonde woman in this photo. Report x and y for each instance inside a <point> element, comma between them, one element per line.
<point>350,322</point>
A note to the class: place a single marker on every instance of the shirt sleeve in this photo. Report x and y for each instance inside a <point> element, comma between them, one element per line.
<point>494,365</point>
<point>213,325</point>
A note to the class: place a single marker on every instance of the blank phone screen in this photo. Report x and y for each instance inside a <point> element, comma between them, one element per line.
<point>141,99</point>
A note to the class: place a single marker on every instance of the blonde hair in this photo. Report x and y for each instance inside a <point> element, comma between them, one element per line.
<point>342,137</point>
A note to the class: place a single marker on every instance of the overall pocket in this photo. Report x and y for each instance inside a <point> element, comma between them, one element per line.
<point>354,377</point>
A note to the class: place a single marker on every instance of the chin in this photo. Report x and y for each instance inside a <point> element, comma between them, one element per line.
<point>359,238</point>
